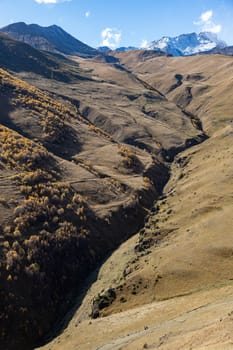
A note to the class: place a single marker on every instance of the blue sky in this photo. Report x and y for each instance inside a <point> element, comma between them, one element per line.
<point>124,22</point>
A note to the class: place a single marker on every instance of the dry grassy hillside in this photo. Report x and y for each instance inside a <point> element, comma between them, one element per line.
<point>200,84</point>
<point>124,107</point>
<point>45,219</point>
<point>172,282</point>
<point>81,164</point>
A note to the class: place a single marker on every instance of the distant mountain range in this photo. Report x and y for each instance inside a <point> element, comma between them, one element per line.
<point>182,45</point>
<point>52,39</point>
<point>119,49</point>
<point>221,51</point>
<point>188,44</point>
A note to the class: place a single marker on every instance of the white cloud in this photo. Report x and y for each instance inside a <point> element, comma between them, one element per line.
<point>144,44</point>
<point>206,23</point>
<point>50,1</point>
<point>111,37</point>
<point>206,16</point>
<point>87,14</point>
<point>214,28</point>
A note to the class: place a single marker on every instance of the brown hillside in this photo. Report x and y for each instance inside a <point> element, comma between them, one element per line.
<point>173,281</point>
<point>81,163</point>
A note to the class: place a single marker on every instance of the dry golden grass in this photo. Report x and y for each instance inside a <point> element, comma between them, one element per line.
<point>185,250</point>
<point>18,152</point>
<point>208,77</point>
<point>47,220</point>
<point>176,292</point>
<point>53,115</point>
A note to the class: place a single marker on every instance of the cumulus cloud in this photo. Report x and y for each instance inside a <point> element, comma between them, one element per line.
<point>50,1</point>
<point>206,16</point>
<point>87,14</point>
<point>206,23</point>
<point>111,37</point>
<point>144,44</point>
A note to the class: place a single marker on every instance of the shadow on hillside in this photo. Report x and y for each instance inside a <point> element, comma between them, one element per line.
<point>6,108</point>
<point>62,324</point>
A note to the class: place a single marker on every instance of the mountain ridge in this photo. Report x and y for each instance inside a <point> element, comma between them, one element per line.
<point>29,59</point>
<point>188,44</point>
<point>56,40</point>
<point>181,45</point>
<point>52,38</point>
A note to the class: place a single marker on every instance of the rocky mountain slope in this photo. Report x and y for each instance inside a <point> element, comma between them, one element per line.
<point>170,286</point>
<point>21,57</point>
<point>222,51</point>
<point>52,38</point>
<point>182,45</point>
<point>188,44</point>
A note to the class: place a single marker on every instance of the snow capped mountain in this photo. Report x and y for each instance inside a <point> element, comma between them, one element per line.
<point>182,45</point>
<point>188,44</point>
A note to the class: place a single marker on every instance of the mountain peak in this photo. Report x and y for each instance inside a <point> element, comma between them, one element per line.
<point>188,44</point>
<point>52,38</point>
